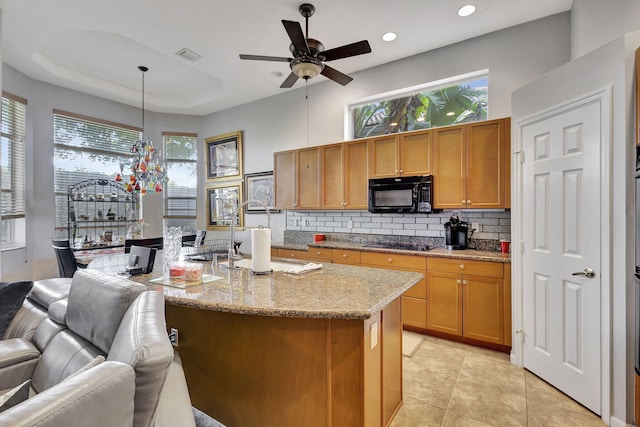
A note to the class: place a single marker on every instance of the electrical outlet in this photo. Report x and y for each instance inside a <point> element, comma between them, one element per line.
<point>475,226</point>
<point>173,337</point>
<point>350,224</point>
<point>374,336</point>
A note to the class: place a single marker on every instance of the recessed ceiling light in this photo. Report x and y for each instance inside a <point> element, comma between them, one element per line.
<point>389,37</point>
<point>188,54</point>
<point>450,113</point>
<point>466,10</point>
<point>276,74</point>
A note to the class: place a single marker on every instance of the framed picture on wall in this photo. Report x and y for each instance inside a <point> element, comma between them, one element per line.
<point>224,156</point>
<point>222,203</point>
<point>259,187</point>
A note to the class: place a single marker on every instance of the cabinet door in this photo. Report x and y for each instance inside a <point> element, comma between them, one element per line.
<point>383,157</point>
<point>308,178</point>
<point>414,312</point>
<point>416,153</point>
<point>483,301</point>
<point>332,178</point>
<point>444,302</point>
<point>292,253</point>
<point>450,168</point>
<point>486,184</point>
<point>283,179</point>
<point>355,177</point>
<point>345,256</point>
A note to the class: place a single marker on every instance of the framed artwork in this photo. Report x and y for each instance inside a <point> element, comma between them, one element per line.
<point>259,186</point>
<point>222,202</point>
<point>224,156</point>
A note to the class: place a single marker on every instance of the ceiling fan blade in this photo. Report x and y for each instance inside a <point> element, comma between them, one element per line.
<point>265,58</point>
<point>336,76</point>
<point>353,49</point>
<point>296,35</point>
<point>289,81</point>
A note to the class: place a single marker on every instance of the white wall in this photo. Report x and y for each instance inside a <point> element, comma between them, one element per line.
<point>611,64</point>
<point>597,22</point>
<point>514,57</point>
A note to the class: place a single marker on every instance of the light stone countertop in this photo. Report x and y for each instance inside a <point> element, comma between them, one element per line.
<point>333,292</point>
<point>470,254</point>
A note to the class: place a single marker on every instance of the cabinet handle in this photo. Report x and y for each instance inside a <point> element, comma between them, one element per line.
<point>468,202</point>
<point>464,282</point>
<point>344,256</point>
<point>458,281</point>
<point>318,253</point>
<point>390,260</point>
<point>293,255</point>
<point>397,171</point>
<point>401,170</point>
<point>461,266</point>
<point>463,202</point>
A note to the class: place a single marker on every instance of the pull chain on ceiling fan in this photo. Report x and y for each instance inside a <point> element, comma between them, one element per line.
<point>309,56</point>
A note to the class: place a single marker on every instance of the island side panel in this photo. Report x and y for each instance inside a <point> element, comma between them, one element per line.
<point>391,360</point>
<point>251,370</point>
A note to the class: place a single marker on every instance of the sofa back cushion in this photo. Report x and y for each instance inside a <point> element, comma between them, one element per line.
<point>12,295</point>
<point>142,342</point>
<point>97,302</point>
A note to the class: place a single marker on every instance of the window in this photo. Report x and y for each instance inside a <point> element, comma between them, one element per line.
<point>12,164</point>
<point>180,193</point>
<point>455,100</point>
<point>86,148</point>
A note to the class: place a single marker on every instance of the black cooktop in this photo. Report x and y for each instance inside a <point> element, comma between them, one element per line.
<point>399,246</point>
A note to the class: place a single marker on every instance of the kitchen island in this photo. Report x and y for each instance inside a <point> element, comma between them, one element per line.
<point>323,348</point>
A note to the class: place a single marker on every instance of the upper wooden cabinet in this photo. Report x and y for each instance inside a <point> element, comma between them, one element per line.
<point>297,179</point>
<point>403,154</point>
<point>344,175</point>
<point>471,165</point>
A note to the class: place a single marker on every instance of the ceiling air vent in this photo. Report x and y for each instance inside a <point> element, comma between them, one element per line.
<point>188,54</point>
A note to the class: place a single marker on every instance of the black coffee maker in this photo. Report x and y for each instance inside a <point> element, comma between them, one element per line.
<point>455,232</point>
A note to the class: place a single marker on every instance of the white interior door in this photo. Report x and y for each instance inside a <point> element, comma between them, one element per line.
<point>561,230</point>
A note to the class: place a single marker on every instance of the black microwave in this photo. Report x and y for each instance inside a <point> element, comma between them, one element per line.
<point>406,194</point>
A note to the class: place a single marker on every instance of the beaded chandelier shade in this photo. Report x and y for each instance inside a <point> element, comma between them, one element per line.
<point>147,172</point>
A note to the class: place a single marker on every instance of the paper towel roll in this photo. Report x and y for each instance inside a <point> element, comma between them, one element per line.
<point>261,250</point>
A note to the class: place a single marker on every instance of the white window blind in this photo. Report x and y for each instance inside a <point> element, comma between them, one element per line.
<point>86,148</point>
<point>180,193</point>
<point>12,156</point>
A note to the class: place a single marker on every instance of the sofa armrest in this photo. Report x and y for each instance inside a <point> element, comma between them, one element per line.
<point>174,406</point>
<point>18,358</point>
<point>103,393</point>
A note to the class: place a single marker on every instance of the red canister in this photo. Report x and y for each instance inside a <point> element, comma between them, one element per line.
<point>318,237</point>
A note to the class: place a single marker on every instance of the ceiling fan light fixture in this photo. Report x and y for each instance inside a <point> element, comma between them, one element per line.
<point>306,68</point>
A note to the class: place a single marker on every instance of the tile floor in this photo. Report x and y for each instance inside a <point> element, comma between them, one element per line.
<point>457,385</point>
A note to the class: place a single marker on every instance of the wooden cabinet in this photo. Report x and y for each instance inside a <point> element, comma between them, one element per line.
<point>297,179</point>
<point>403,154</point>
<point>466,298</point>
<point>471,165</point>
<point>319,254</point>
<point>344,175</point>
<point>414,301</point>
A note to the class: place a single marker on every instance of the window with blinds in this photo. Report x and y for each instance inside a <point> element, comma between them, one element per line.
<point>180,193</point>
<point>12,166</point>
<point>86,148</point>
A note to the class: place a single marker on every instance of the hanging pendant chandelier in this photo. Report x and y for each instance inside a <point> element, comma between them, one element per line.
<point>147,172</point>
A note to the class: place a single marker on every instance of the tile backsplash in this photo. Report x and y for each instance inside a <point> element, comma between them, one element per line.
<point>363,226</point>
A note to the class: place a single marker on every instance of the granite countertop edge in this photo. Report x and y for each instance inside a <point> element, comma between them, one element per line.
<point>469,254</point>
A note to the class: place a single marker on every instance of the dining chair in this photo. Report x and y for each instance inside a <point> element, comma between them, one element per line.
<point>67,264</point>
<point>194,239</point>
<point>153,242</point>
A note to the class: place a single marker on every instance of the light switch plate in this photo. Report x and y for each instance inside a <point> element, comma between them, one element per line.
<point>373,337</point>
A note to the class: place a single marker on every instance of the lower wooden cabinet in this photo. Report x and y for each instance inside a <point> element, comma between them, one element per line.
<point>345,256</point>
<point>414,301</point>
<point>292,253</point>
<point>467,298</point>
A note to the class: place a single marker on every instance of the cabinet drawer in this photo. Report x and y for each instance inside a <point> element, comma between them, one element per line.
<point>322,254</point>
<point>463,266</point>
<point>292,253</point>
<point>343,256</point>
<point>419,290</point>
<point>394,260</point>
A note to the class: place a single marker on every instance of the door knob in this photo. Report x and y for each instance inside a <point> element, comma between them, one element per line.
<point>588,272</point>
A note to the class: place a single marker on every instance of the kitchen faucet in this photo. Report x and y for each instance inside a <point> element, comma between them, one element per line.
<point>234,253</point>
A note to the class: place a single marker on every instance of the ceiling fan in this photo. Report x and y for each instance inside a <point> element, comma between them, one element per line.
<point>309,56</point>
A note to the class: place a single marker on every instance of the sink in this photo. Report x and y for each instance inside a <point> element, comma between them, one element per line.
<point>275,266</point>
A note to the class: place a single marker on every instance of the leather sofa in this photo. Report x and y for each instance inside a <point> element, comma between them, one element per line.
<point>140,383</point>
